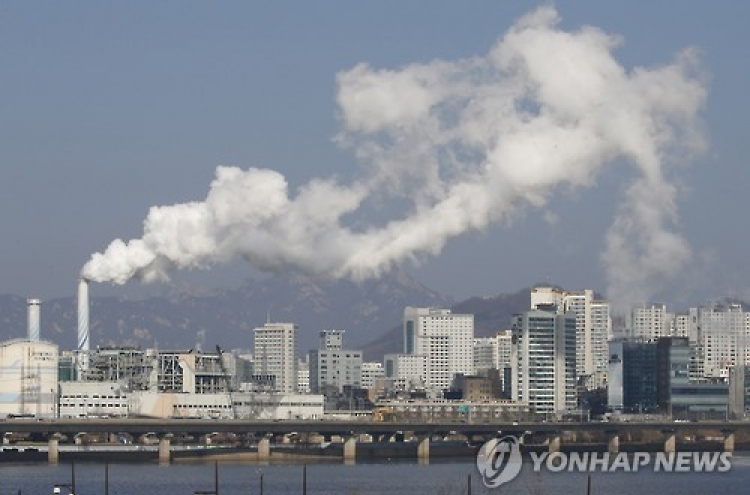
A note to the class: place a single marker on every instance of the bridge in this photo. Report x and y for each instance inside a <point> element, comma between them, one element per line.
<point>53,430</point>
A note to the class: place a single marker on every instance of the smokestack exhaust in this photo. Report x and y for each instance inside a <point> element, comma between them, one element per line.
<point>34,308</point>
<point>83,321</point>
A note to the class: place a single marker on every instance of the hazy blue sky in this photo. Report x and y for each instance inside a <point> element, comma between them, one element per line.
<point>109,108</point>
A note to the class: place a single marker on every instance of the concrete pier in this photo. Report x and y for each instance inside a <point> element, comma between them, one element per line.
<point>613,442</point>
<point>350,448</point>
<point>670,442</point>
<point>729,441</point>
<point>53,452</point>
<point>423,448</point>
<point>554,443</point>
<point>264,449</point>
<point>165,447</point>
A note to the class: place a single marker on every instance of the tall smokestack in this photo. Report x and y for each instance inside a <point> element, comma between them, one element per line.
<point>34,318</point>
<point>83,318</point>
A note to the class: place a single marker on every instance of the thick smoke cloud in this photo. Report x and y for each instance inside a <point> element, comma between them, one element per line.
<point>465,142</point>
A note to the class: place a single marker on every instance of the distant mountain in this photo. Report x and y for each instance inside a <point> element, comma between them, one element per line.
<point>181,319</point>
<point>490,315</point>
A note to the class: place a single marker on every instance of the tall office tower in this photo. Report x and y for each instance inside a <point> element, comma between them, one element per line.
<point>485,354</point>
<point>331,367</point>
<point>275,351</point>
<point>445,339</point>
<point>544,360</point>
<point>632,376</point>
<point>650,321</point>
<point>593,329</point>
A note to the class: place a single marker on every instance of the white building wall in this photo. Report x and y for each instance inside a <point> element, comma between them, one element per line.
<point>371,373</point>
<point>724,339</point>
<point>504,341</point>
<point>546,296</point>
<point>275,352</point>
<point>445,339</point>
<point>485,354</point>
<point>405,371</point>
<point>93,400</point>
<point>650,321</point>
<point>28,378</point>
<point>601,334</point>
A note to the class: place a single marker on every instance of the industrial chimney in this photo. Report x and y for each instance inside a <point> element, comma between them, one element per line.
<point>83,322</point>
<point>34,307</point>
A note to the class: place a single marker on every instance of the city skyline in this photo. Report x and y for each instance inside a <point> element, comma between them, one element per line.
<point>118,109</point>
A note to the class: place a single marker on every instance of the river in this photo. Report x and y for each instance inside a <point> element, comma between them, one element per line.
<point>387,478</point>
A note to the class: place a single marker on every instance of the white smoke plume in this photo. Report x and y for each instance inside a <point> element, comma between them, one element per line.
<point>465,142</point>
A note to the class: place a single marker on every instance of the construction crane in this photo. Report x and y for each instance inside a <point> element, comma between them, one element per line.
<point>227,381</point>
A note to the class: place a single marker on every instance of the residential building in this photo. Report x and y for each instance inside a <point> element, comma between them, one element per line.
<point>275,353</point>
<point>544,360</point>
<point>650,321</point>
<point>485,354</point>
<point>445,339</point>
<point>593,329</point>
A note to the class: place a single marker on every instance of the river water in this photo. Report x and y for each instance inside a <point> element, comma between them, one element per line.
<point>387,478</point>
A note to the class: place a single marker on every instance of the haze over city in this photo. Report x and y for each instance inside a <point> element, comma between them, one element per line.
<point>483,147</point>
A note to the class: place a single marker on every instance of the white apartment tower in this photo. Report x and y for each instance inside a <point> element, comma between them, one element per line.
<point>599,336</point>
<point>723,339</point>
<point>544,361</point>
<point>504,339</point>
<point>485,354</point>
<point>275,352</point>
<point>445,339</point>
<point>650,321</point>
<point>593,329</point>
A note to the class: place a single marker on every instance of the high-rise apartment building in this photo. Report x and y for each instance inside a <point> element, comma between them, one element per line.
<point>593,329</point>
<point>723,333</point>
<point>544,360</point>
<point>445,339</point>
<point>650,322</point>
<point>485,354</point>
<point>275,353</point>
